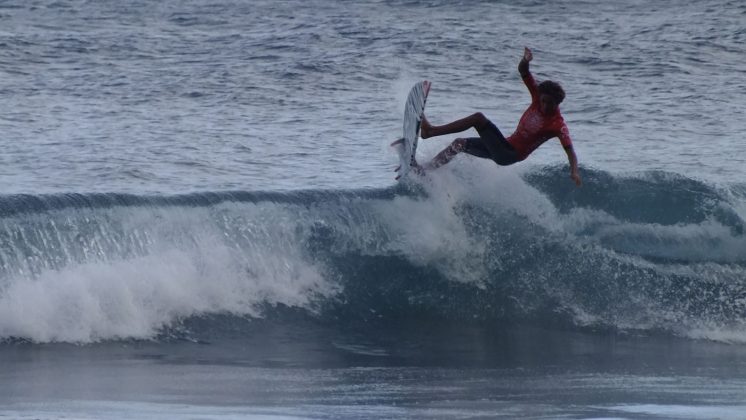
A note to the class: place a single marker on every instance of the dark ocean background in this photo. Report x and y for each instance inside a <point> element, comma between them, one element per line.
<point>199,218</point>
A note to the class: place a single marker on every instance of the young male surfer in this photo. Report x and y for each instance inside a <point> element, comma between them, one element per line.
<point>539,123</point>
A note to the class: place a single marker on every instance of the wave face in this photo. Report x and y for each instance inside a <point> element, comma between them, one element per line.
<point>653,252</point>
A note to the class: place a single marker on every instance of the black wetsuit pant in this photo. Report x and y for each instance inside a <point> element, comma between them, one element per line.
<point>491,144</point>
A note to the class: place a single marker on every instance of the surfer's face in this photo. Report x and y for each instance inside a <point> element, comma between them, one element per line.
<point>548,104</point>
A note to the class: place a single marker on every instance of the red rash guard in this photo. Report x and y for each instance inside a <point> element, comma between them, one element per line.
<point>535,128</point>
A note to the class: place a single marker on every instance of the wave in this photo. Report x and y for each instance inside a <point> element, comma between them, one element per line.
<point>650,252</point>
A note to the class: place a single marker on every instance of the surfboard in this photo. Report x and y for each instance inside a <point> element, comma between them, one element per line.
<point>407,144</point>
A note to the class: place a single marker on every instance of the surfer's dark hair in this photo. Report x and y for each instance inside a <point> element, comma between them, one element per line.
<point>552,89</point>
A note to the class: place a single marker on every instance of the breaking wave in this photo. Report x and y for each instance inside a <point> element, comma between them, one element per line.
<point>650,252</point>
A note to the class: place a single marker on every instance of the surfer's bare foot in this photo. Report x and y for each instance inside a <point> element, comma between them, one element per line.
<point>425,127</point>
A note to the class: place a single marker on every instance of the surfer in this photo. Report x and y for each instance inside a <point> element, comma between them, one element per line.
<point>539,123</point>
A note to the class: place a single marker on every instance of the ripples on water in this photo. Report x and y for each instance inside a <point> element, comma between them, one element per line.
<point>176,97</point>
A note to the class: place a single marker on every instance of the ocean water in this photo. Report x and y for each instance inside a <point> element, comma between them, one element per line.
<point>199,218</point>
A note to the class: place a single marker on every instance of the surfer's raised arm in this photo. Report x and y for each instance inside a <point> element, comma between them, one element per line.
<point>523,65</point>
<point>528,79</point>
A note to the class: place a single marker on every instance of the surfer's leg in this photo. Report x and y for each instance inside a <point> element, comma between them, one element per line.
<point>476,121</point>
<point>496,145</point>
<point>445,155</point>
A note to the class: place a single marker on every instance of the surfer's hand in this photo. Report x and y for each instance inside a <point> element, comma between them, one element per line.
<point>576,177</point>
<point>527,55</point>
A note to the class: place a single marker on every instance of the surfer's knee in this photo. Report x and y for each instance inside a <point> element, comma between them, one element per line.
<point>479,119</point>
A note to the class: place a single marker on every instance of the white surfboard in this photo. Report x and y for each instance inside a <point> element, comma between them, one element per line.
<point>413,110</point>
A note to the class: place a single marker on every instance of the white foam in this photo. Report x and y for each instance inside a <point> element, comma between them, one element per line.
<point>191,268</point>
<point>431,231</point>
<point>723,334</point>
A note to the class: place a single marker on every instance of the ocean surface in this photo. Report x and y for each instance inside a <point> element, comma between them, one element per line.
<point>199,217</point>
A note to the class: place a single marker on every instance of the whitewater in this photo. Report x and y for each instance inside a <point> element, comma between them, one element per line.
<point>199,217</point>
